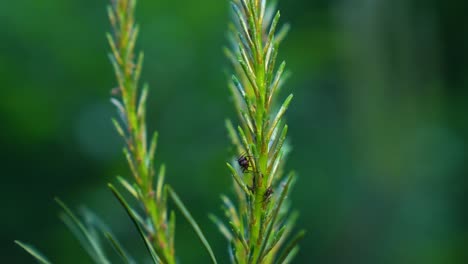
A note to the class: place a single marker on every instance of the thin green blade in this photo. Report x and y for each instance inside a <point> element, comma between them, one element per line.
<point>118,248</point>
<point>88,241</point>
<point>134,219</point>
<point>192,222</point>
<point>291,248</point>
<point>34,252</point>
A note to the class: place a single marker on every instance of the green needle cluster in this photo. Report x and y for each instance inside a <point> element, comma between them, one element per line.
<point>140,149</point>
<point>260,223</point>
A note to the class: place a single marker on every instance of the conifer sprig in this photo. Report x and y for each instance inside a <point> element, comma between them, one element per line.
<point>130,102</point>
<point>259,223</point>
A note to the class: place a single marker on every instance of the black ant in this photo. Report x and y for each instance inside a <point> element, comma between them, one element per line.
<point>268,193</point>
<point>267,196</point>
<point>244,162</point>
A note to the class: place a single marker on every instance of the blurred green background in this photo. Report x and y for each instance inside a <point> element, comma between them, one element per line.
<point>379,124</point>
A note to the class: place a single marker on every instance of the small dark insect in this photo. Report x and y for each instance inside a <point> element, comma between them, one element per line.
<point>244,162</point>
<point>268,194</point>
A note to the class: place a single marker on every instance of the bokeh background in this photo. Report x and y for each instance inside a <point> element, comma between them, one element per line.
<point>379,124</point>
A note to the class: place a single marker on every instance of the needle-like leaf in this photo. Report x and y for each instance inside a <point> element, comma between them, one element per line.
<point>117,247</point>
<point>34,252</point>
<point>131,214</point>
<point>291,248</point>
<point>279,115</point>
<point>238,179</point>
<point>192,222</point>
<point>89,242</point>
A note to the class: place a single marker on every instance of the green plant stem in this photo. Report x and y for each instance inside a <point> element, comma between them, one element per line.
<point>140,156</point>
<point>260,138</point>
<point>255,242</point>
